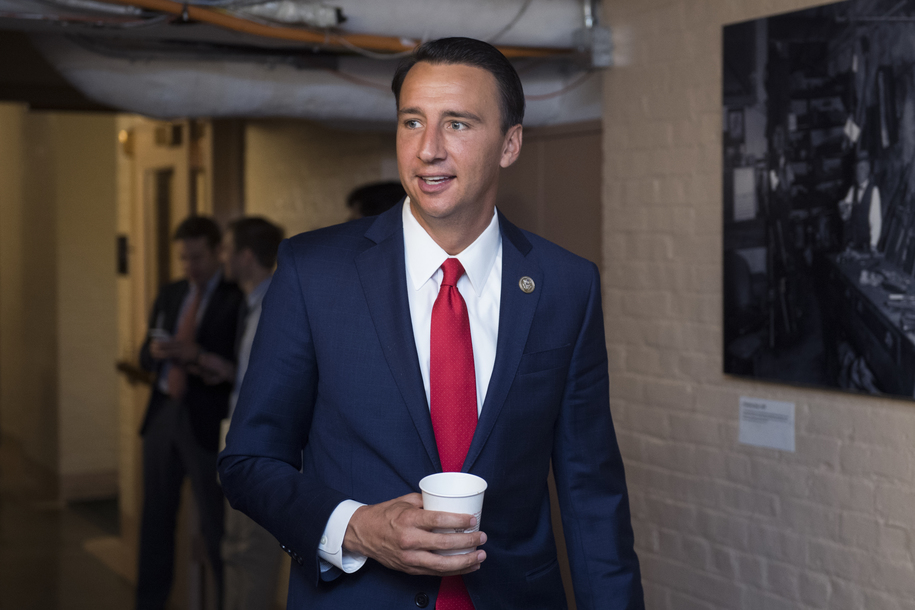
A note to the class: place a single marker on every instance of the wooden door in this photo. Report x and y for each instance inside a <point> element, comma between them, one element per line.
<point>554,190</point>
<point>166,177</point>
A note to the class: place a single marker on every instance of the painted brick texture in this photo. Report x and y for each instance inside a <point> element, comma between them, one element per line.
<point>719,525</point>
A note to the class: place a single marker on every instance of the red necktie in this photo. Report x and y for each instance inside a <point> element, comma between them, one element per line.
<point>452,397</point>
<point>177,376</point>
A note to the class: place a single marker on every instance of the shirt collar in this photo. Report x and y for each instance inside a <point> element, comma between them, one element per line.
<point>210,285</point>
<point>257,295</point>
<point>424,256</point>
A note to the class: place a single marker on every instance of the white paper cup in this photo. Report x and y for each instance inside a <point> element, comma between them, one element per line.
<point>454,492</point>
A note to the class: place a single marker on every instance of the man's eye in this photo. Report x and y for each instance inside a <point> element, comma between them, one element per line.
<point>458,125</point>
<point>411,124</point>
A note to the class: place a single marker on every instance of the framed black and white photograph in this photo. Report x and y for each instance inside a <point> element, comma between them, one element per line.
<point>819,197</point>
<point>735,126</point>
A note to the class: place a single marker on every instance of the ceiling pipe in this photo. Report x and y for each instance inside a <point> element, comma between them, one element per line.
<point>524,23</point>
<point>327,39</point>
<point>357,94</point>
<point>165,70</point>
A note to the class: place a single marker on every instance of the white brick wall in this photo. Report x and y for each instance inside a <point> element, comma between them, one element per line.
<point>721,525</point>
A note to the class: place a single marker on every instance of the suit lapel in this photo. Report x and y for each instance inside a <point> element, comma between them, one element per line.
<point>214,306</point>
<point>383,276</point>
<point>210,311</point>
<point>516,313</point>
<point>174,309</point>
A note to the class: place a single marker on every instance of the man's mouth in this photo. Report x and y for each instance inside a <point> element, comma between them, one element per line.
<point>433,180</point>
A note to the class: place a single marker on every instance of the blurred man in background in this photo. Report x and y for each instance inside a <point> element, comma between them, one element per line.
<point>373,199</point>
<point>190,318</point>
<point>251,556</point>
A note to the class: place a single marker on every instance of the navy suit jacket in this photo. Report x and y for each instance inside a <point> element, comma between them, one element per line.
<point>216,334</point>
<point>333,407</point>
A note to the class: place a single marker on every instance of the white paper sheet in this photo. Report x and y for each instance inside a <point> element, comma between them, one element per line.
<point>767,423</point>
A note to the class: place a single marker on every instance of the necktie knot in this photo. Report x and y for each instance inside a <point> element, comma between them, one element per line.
<point>453,270</point>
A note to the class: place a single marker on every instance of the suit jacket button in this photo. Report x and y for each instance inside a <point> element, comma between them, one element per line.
<point>421,599</point>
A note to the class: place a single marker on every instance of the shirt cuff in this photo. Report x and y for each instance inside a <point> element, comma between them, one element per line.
<point>330,549</point>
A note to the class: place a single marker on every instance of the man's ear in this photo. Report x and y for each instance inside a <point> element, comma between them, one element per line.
<point>511,146</point>
<point>248,256</point>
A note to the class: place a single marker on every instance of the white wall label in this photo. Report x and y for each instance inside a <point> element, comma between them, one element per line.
<point>767,423</point>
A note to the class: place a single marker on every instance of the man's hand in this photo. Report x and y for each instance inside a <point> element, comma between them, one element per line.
<point>215,369</point>
<point>845,210</point>
<point>398,534</point>
<point>158,348</point>
<point>174,349</point>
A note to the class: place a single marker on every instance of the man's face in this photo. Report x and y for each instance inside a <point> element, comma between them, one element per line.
<point>450,144</point>
<point>198,260</point>
<point>230,257</point>
<point>863,170</point>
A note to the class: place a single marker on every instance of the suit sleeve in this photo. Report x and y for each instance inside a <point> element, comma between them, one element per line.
<point>147,362</point>
<point>260,467</point>
<point>590,482</point>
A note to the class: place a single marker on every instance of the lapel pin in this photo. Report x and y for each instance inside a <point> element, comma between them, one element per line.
<point>526,284</point>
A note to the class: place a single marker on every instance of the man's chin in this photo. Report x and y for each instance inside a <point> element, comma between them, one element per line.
<point>431,206</point>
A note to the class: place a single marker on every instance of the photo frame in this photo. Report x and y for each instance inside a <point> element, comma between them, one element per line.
<point>819,198</point>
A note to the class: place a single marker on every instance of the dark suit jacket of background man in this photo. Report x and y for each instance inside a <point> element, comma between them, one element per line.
<point>215,334</point>
<point>334,372</point>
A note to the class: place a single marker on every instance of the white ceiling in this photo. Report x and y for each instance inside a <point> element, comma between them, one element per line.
<point>155,64</point>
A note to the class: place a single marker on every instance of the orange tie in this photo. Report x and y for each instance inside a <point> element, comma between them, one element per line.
<point>452,398</point>
<point>177,376</point>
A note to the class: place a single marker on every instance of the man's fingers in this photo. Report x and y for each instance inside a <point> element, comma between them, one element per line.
<point>452,542</point>
<point>473,568</point>
<point>452,565</point>
<point>424,562</point>
<point>415,499</point>
<point>399,534</point>
<point>431,519</point>
<point>166,349</point>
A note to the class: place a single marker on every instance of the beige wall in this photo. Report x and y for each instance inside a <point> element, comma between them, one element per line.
<point>554,188</point>
<point>131,397</point>
<point>298,174</point>
<point>11,305</point>
<point>718,524</point>
<point>10,271</point>
<point>57,309</point>
<point>28,372</point>
<point>84,159</point>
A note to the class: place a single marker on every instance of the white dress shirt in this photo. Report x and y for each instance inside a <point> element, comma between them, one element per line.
<point>252,318</point>
<point>874,213</point>
<point>481,287</point>
<point>211,285</point>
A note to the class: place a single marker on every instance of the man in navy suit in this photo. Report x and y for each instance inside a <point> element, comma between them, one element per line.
<point>191,318</point>
<point>333,431</point>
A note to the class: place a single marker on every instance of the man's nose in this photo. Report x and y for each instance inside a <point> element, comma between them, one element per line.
<point>432,147</point>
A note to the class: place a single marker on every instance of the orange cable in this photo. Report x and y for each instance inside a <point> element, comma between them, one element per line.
<point>367,41</point>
